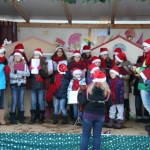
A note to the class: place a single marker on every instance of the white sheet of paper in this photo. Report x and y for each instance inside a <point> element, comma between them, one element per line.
<point>50,65</point>
<point>55,66</point>
<point>35,63</point>
<point>72,97</point>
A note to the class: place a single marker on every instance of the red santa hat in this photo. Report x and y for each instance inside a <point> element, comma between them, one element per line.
<point>86,49</point>
<point>38,51</point>
<point>62,67</point>
<point>76,53</point>
<point>115,70</point>
<point>146,43</point>
<point>18,53</point>
<point>76,71</point>
<point>93,68</point>
<point>117,51</point>
<point>99,76</point>
<point>2,49</point>
<point>95,59</point>
<point>59,47</point>
<point>19,47</point>
<point>103,51</point>
<point>121,57</point>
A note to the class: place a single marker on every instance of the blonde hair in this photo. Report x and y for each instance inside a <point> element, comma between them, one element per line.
<point>103,85</point>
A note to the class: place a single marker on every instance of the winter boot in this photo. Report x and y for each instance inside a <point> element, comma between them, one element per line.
<point>147,127</point>
<point>21,117</point>
<point>65,120</point>
<point>33,117</point>
<point>55,119</point>
<point>41,117</point>
<point>118,125</point>
<point>110,123</point>
<point>13,118</point>
<point>2,122</point>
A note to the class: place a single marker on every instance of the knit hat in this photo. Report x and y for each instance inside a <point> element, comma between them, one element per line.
<point>76,53</point>
<point>62,67</point>
<point>115,70</point>
<point>92,68</point>
<point>19,47</point>
<point>2,49</point>
<point>38,51</point>
<point>117,51</point>
<point>146,43</point>
<point>103,51</point>
<point>121,57</point>
<point>86,49</point>
<point>76,71</point>
<point>99,76</point>
<point>18,53</point>
<point>59,47</point>
<point>95,59</point>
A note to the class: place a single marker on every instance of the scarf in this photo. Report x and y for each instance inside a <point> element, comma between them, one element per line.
<point>113,86</point>
<point>75,85</point>
<point>113,63</point>
<point>148,58</point>
<point>103,63</point>
<point>2,59</point>
<point>57,59</point>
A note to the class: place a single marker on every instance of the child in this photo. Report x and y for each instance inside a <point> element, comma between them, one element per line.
<point>74,85</point>
<point>37,87</point>
<point>95,100</point>
<point>17,86</point>
<point>116,86</point>
<point>92,68</point>
<point>106,62</point>
<point>116,51</point>
<point>4,71</point>
<point>121,61</point>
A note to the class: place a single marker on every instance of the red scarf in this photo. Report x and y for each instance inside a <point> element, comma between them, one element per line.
<point>148,58</point>
<point>75,85</point>
<point>57,59</point>
<point>2,59</point>
<point>113,63</point>
<point>103,63</point>
<point>113,89</point>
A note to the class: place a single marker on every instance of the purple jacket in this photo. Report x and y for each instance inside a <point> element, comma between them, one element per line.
<point>89,80</point>
<point>119,90</point>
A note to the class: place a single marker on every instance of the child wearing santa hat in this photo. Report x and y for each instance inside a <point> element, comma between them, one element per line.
<point>121,61</point>
<point>4,72</point>
<point>37,86</point>
<point>74,85</point>
<point>17,85</point>
<point>116,52</point>
<point>141,86</point>
<point>19,47</point>
<point>116,86</point>
<point>95,98</point>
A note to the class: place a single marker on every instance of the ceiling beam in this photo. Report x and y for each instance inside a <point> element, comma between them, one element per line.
<point>15,5</point>
<point>113,13</point>
<point>68,16</point>
<point>84,26</point>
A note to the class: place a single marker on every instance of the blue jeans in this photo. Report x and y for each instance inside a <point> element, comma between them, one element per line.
<point>37,96</point>
<point>146,100</point>
<point>87,125</point>
<point>2,98</point>
<point>60,104</point>
<point>75,112</point>
<point>138,106</point>
<point>17,95</point>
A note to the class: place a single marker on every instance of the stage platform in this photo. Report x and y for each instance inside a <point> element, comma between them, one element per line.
<point>56,137</point>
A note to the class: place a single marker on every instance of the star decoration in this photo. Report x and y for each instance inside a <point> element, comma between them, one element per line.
<point>46,32</point>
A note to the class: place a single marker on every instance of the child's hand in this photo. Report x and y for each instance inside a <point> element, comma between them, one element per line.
<point>133,68</point>
<point>85,70</point>
<point>50,72</point>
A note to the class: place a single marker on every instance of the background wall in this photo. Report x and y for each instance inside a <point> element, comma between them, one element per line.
<point>75,39</point>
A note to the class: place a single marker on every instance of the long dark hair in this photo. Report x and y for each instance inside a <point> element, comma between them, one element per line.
<point>72,59</point>
<point>55,54</point>
<point>84,56</point>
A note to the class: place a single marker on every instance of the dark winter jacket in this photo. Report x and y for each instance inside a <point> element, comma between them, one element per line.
<point>94,107</point>
<point>119,90</point>
<point>61,93</point>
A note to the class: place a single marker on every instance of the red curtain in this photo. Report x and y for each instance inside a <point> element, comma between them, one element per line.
<point>8,30</point>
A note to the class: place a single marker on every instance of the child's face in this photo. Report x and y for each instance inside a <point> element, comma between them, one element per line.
<point>36,56</point>
<point>97,64</point>
<point>147,49</point>
<point>88,54</point>
<point>2,54</point>
<point>77,58</point>
<point>77,76</point>
<point>59,53</point>
<point>17,58</point>
<point>112,75</point>
<point>104,56</point>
